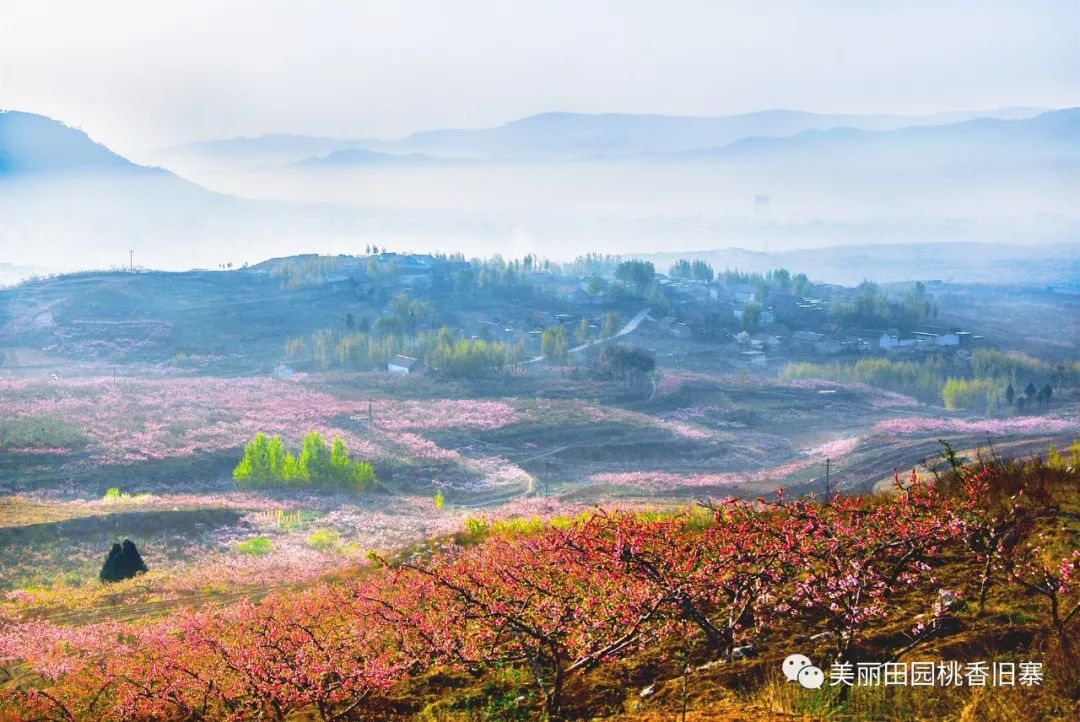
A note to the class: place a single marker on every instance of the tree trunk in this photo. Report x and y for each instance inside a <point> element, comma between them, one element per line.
<point>553,703</point>
<point>984,582</point>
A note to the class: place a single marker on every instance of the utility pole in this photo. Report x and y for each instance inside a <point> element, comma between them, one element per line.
<point>828,490</point>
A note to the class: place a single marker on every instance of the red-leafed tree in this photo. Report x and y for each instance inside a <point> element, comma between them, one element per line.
<point>540,601</point>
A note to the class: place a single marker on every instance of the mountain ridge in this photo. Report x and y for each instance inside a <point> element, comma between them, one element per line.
<point>509,139</point>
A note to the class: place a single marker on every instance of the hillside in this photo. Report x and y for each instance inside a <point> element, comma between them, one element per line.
<point>32,143</point>
<point>48,168</point>
<point>630,615</point>
<point>207,417</point>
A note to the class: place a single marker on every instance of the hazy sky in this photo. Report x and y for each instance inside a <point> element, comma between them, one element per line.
<point>137,74</point>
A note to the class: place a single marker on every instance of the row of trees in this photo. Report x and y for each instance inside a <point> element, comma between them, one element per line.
<point>990,383</point>
<point>556,604</point>
<point>1030,396</point>
<point>922,379</point>
<point>473,358</point>
<point>696,270</point>
<point>448,355</point>
<point>267,463</point>
<point>960,393</point>
<point>1021,370</point>
<point>870,307</point>
<point>980,393</point>
<point>777,281</point>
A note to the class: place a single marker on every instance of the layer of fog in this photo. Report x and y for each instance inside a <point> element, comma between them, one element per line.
<point>557,210</point>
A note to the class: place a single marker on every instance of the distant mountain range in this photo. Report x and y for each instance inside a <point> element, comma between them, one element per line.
<point>562,136</point>
<point>643,182</point>
<point>576,135</point>
<point>1051,139</point>
<point>34,143</point>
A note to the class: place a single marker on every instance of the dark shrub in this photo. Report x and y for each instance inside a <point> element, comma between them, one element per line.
<point>123,562</point>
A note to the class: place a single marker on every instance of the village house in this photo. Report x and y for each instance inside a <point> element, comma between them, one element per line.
<point>402,365</point>
<point>805,340</point>
<point>672,326</point>
<point>743,294</point>
<point>798,311</point>
<point>753,357</point>
<point>571,293</point>
<point>542,319</point>
<point>893,339</point>
<point>829,346</point>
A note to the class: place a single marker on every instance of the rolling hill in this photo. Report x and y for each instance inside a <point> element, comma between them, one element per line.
<point>31,143</point>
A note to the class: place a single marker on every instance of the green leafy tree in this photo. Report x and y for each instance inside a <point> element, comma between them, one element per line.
<point>658,302</point>
<point>295,347</point>
<point>363,476</point>
<point>680,269</point>
<point>254,467</point>
<point>340,463</point>
<point>315,463</point>
<point>553,344</point>
<point>290,470</point>
<point>751,315</point>
<point>970,393</point>
<point>702,271</point>
<point>276,458</point>
<point>612,323</point>
<point>266,463</point>
<point>636,274</point>
<point>594,286</point>
<point>581,335</point>
<point>632,365</point>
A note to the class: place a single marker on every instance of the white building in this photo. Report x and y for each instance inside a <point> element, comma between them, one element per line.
<point>892,339</point>
<point>402,365</point>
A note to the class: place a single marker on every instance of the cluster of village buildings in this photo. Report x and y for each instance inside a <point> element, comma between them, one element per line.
<point>788,326</point>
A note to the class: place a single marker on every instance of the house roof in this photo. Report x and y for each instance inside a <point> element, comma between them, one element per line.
<point>404,361</point>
